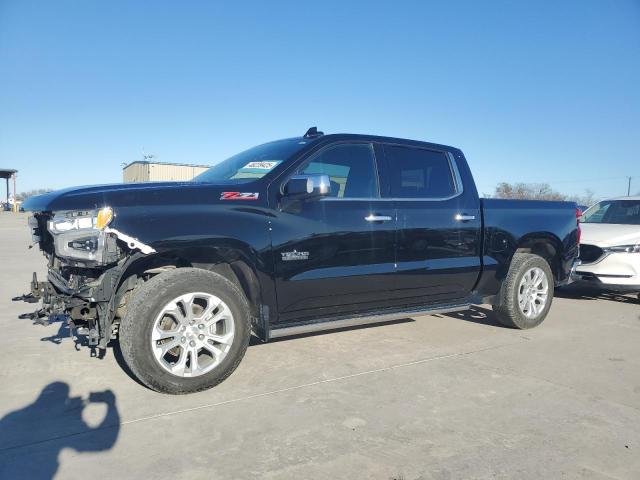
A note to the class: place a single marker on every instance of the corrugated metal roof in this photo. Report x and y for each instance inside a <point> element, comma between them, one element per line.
<point>7,172</point>
<point>146,162</point>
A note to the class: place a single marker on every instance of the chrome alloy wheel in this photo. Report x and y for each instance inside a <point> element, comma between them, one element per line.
<point>533,292</point>
<point>192,334</point>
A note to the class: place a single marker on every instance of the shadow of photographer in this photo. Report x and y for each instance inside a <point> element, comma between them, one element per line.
<point>32,437</point>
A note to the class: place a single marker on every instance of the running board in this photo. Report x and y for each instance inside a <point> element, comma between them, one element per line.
<point>320,325</point>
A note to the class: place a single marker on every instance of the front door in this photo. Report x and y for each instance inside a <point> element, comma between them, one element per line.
<point>335,255</point>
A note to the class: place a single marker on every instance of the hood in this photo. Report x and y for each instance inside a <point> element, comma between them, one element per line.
<point>130,194</point>
<point>609,234</point>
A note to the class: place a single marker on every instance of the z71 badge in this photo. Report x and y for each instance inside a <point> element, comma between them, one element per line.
<point>239,196</point>
<point>295,255</point>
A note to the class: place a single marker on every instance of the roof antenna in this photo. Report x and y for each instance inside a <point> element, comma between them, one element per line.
<point>313,132</point>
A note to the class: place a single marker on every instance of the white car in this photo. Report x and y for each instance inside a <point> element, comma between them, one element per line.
<point>610,245</point>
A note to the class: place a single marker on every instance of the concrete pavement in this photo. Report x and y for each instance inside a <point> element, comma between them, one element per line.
<point>438,397</point>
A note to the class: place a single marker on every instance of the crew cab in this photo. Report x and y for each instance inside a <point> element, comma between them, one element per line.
<point>297,235</point>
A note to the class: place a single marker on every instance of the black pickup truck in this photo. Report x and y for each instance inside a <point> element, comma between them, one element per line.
<point>298,235</point>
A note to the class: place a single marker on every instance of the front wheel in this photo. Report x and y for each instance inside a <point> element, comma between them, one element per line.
<point>185,330</point>
<point>526,293</point>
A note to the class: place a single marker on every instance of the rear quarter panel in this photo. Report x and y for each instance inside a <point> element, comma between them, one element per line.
<point>510,224</point>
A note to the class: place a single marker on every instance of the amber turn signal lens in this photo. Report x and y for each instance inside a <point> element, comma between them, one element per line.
<point>105,215</point>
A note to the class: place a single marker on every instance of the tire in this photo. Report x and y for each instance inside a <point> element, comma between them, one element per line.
<point>507,307</point>
<point>142,320</point>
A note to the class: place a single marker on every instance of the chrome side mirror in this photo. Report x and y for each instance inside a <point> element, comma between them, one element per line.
<point>308,186</point>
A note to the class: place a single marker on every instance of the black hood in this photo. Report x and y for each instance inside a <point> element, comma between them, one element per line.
<point>130,194</point>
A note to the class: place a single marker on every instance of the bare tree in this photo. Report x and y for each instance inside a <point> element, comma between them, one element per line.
<point>588,199</point>
<point>527,191</point>
<point>22,196</point>
<point>540,191</point>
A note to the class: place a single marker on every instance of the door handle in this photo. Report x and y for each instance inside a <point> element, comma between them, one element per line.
<point>464,218</point>
<point>377,218</point>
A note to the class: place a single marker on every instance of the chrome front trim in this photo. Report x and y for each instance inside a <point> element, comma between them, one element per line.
<point>573,276</point>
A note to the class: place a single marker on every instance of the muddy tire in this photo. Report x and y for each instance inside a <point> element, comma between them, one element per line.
<point>526,293</point>
<point>185,330</point>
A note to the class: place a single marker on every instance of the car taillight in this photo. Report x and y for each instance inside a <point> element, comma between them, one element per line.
<point>578,215</point>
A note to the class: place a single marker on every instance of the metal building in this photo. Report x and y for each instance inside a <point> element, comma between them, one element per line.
<point>8,173</point>
<point>144,171</point>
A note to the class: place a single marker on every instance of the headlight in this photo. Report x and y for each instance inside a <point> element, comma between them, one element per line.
<point>80,235</point>
<point>82,220</point>
<point>623,249</point>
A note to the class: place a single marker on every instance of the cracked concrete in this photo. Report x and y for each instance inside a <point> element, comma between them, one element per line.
<point>433,397</point>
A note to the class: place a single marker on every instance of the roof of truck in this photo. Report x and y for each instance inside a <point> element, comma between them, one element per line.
<point>377,138</point>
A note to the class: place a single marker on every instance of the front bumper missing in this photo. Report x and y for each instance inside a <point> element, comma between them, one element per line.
<point>45,293</point>
<point>82,290</point>
<point>84,309</point>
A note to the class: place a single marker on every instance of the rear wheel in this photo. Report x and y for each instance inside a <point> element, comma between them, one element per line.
<point>526,293</point>
<point>185,330</point>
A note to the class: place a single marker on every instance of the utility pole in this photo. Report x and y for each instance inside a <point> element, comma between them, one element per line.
<point>628,186</point>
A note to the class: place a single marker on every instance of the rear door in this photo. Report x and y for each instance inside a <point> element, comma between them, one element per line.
<point>438,225</point>
<point>335,255</point>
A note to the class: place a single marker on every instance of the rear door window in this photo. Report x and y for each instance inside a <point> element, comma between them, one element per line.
<point>419,173</point>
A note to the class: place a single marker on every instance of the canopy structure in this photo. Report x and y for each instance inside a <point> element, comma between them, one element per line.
<point>8,173</point>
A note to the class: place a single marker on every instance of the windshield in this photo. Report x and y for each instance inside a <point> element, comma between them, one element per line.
<point>622,212</point>
<point>253,163</point>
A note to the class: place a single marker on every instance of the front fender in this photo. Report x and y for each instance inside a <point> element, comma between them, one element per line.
<point>206,236</point>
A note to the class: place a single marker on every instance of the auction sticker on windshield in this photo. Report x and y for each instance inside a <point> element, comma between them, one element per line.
<point>264,165</point>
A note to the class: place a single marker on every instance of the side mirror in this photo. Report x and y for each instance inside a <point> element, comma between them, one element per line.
<point>308,186</point>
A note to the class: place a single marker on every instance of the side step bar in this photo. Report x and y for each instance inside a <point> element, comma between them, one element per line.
<point>333,324</point>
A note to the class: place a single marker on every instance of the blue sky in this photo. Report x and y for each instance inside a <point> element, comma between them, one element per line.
<point>531,91</point>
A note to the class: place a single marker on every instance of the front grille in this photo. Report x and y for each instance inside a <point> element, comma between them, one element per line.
<point>590,253</point>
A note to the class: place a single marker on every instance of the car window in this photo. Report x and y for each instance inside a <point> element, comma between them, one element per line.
<point>351,169</point>
<point>419,173</point>
<point>622,212</point>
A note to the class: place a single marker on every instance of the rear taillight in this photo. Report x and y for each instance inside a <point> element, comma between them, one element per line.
<point>578,215</point>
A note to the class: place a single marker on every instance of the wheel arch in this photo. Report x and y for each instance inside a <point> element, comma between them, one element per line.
<point>235,264</point>
<point>545,245</point>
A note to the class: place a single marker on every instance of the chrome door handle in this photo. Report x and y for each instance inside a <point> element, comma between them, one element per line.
<point>377,218</point>
<point>464,218</point>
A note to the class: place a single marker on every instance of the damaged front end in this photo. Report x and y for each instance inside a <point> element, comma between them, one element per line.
<point>86,259</point>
